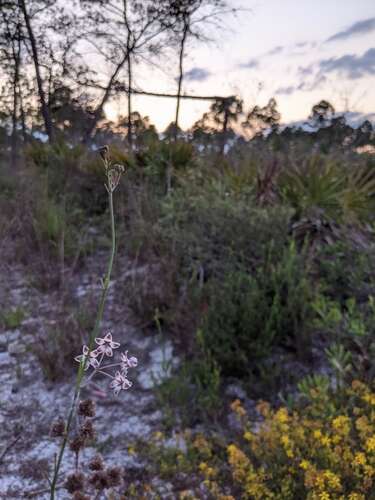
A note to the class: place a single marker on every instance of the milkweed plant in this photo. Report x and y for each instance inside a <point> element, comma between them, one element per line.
<point>99,357</point>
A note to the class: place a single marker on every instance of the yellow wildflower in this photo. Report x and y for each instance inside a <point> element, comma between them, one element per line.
<point>324,496</point>
<point>305,464</point>
<point>282,415</point>
<point>341,424</point>
<point>333,480</point>
<point>370,444</point>
<point>359,458</point>
<point>248,436</point>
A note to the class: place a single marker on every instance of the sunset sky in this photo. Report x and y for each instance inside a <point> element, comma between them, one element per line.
<point>299,51</point>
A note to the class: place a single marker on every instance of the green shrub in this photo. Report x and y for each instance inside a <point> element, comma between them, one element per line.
<point>347,270</point>
<point>350,329</point>
<point>250,314</point>
<point>12,318</point>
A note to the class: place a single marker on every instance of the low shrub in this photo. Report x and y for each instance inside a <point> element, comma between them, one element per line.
<point>250,314</point>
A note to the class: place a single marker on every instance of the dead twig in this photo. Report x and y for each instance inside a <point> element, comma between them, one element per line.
<point>9,447</point>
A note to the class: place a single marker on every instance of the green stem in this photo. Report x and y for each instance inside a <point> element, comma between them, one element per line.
<point>93,334</point>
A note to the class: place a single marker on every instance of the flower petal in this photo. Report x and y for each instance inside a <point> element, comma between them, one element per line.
<point>108,337</point>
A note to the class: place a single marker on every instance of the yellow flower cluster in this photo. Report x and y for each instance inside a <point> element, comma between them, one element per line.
<point>305,453</point>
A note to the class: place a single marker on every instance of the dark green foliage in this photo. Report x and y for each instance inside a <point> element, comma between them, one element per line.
<point>250,314</point>
<point>350,330</point>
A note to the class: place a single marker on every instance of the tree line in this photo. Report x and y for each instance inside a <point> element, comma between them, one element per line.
<point>61,63</point>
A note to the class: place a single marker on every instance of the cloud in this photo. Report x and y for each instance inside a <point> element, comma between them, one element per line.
<point>274,51</point>
<point>286,90</point>
<point>197,75</point>
<point>253,63</point>
<point>351,65</point>
<point>303,86</point>
<point>305,70</point>
<point>358,28</point>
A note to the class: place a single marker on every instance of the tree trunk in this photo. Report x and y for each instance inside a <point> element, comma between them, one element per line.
<point>181,74</point>
<point>130,84</point>
<point>34,50</point>
<point>224,132</point>
<point>23,119</point>
<point>17,61</point>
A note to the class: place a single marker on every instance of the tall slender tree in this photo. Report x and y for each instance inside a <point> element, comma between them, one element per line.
<point>28,16</point>
<point>10,63</point>
<point>123,32</point>
<point>187,20</point>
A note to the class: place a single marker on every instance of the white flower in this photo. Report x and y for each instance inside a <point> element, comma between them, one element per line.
<point>126,362</point>
<point>89,358</point>
<point>120,382</point>
<point>106,344</point>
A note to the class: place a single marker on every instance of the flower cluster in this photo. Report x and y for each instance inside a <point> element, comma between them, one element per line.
<point>113,170</point>
<point>96,358</point>
<point>302,453</point>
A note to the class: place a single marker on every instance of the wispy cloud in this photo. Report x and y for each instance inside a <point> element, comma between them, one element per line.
<point>274,51</point>
<point>350,65</point>
<point>358,28</point>
<point>286,90</point>
<point>303,86</point>
<point>251,64</point>
<point>305,70</point>
<point>197,75</point>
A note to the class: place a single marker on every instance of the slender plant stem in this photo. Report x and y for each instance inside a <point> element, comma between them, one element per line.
<point>94,333</point>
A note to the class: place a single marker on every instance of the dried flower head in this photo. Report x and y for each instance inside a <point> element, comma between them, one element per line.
<point>58,428</point>
<point>114,175</point>
<point>74,482</point>
<point>96,463</point>
<point>78,495</point>
<point>87,430</point>
<point>99,480</point>
<point>114,476</point>
<point>86,408</point>
<point>77,443</point>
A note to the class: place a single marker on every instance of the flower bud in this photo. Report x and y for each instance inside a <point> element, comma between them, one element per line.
<point>104,153</point>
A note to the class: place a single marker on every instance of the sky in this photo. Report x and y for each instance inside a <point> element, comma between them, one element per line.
<point>298,51</point>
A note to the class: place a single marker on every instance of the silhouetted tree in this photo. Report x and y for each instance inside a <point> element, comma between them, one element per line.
<point>29,12</point>
<point>123,32</point>
<point>10,63</point>
<point>259,118</point>
<point>322,114</point>
<point>186,19</point>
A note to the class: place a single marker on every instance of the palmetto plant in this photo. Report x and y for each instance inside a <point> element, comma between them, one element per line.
<point>315,184</point>
<point>337,192</point>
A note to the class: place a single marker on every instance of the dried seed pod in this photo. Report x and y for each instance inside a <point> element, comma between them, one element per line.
<point>87,430</point>
<point>96,463</point>
<point>57,428</point>
<point>77,443</point>
<point>78,495</point>
<point>74,482</point>
<point>99,480</point>
<point>114,476</point>
<point>86,408</point>
<point>104,153</point>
